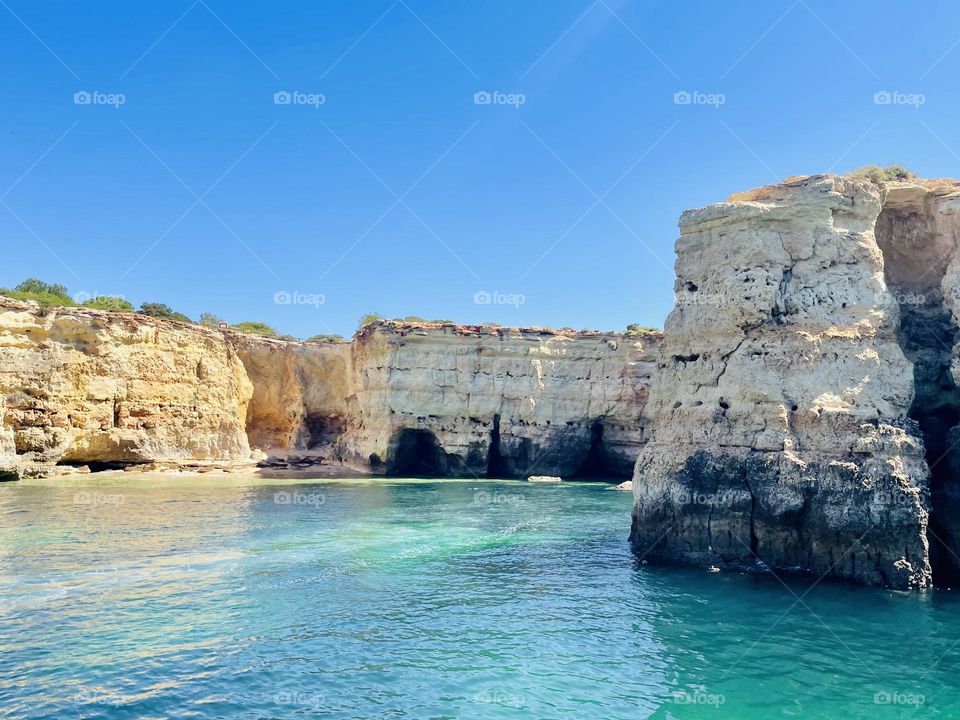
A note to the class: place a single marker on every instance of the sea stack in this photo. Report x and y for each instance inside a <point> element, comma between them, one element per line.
<point>807,384</point>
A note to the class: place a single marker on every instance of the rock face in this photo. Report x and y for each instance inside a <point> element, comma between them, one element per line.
<point>300,392</point>
<point>808,364</point>
<point>455,400</point>
<point>498,401</point>
<point>82,386</point>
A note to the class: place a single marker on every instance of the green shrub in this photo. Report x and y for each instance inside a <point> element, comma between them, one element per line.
<point>635,329</point>
<point>108,302</point>
<point>414,319</point>
<point>159,310</point>
<point>878,174</point>
<point>368,319</point>
<point>257,328</point>
<point>210,320</point>
<point>326,339</point>
<point>38,287</point>
<point>44,294</point>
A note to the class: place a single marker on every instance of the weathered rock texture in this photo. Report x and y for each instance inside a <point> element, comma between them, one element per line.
<point>300,392</point>
<point>455,400</point>
<point>83,386</point>
<point>497,401</point>
<point>810,350</point>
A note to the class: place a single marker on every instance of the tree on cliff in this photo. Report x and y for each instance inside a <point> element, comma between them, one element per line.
<point>40,292</point>
<point>368,319</point>
<point>160,310</point>
<point>210,320</point>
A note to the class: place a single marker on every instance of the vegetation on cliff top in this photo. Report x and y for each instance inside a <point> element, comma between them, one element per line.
<point>50,295</point>
<point>635,329</point>
<point>326,339</point>
<point>878,174</point>
<point>370,318</point>
<point>165,312</point>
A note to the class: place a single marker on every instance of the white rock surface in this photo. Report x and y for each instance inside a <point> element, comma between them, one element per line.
<point>779,414</point>
<point>544,479</point>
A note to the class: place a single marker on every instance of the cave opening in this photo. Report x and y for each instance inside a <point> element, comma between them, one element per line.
<point>496,464</point>
<point>321,431</point>
<point>915,252</point>
<point>415,453</point>
<point>97,466</point>
<point>596,464</point>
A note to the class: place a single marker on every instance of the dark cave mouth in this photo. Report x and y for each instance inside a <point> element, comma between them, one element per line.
<point>597,464</point>
<point>914,253</point>
<point>416,453</point>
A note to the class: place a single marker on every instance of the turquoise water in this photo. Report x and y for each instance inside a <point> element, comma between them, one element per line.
<point>153,597</point>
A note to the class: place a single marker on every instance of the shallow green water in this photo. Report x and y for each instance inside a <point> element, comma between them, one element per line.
<point>152,597</point>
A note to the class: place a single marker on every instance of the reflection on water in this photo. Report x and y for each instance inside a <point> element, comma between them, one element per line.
<point>137,596</point>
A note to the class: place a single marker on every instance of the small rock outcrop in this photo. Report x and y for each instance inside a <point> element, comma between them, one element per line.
<point>806,385</point>
<point>545,479</point>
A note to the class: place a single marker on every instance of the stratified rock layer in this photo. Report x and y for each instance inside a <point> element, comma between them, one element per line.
<point>86,386</point>
<point>503,402</point>
<point>445,399</point>
<point>82,386</point>
<point>783,422</point>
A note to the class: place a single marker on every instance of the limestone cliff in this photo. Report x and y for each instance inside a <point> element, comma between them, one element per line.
<point>300,392</point>
<point>810,350</point>
<point>454,400</point>
<point>84,386</point>
<point>497,401</point>
<point>80,386</point>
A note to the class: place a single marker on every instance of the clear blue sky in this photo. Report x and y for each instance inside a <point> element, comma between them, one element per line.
<point>303,198</point>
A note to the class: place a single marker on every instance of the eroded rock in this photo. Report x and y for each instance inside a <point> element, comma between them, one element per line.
<point>785,406</point>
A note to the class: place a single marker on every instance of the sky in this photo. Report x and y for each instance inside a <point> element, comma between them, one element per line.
<point>302,163</point>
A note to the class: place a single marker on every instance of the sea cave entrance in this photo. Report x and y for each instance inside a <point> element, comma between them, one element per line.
<point>596,464</point>
<point>416,453</point>
<point>916,251</point>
